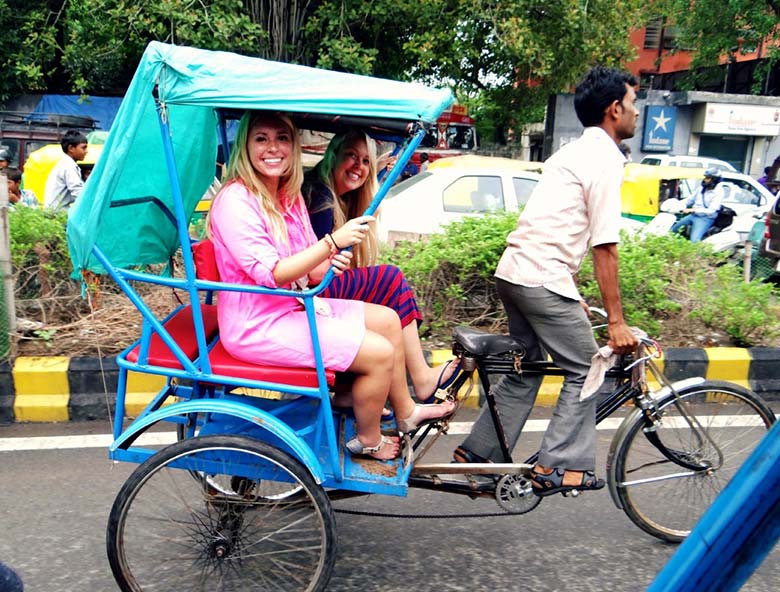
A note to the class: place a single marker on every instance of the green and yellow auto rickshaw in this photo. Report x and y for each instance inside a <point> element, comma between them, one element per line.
<point>646,187</point>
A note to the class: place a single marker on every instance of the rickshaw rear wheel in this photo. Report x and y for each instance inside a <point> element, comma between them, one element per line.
<point>169,531</point>
<point>190,430</point>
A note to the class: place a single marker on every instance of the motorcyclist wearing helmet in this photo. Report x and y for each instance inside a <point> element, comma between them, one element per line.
<point>703,206</point>
<point>5,157</point>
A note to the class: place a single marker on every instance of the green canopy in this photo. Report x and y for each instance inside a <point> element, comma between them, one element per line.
<point>123,206</point>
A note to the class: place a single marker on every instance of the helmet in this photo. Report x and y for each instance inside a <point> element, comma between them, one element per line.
<point>713,173</point>
<point>5,154</point>
<point>711,177</point>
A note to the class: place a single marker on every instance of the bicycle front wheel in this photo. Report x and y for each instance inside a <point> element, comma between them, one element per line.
<point>665,498</point>
<point>226,530</point>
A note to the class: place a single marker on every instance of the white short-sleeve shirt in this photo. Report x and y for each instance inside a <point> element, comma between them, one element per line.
<point>576,205</point>
<point>63,185</point>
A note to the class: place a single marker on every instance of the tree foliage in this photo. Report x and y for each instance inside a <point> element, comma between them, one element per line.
<point>506,58</point>
<point>717,30</point>
<point>93,46</point>
<point>502,58</point>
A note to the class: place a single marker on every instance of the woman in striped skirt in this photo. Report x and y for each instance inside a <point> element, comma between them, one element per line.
<point>339,188</point>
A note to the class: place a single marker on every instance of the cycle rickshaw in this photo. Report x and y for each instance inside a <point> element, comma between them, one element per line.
<point>242,500</point>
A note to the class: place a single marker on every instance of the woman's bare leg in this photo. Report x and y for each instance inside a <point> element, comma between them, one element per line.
<point>384,321</point>
<point>424,378</point>
<point>374,368</point>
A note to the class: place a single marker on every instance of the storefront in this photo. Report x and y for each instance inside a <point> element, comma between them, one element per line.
<point>734,132</point>
<point>740,129</point>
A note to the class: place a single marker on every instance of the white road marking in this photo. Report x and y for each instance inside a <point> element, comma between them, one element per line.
<point>457,428</point>
<point>86,441</point>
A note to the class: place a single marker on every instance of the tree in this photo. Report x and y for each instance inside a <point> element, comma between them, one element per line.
<point>94,45</point>
<point>506,58</point>
<point>283,22</point>
<point>502,58</point>
<point>715,30</point>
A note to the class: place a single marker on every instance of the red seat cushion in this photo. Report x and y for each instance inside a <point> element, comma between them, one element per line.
<point>226,365</point>
<point>205,260</point>
<point>182,329</point>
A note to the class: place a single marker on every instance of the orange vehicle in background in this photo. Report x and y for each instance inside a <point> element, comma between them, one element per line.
<point>454,135</point>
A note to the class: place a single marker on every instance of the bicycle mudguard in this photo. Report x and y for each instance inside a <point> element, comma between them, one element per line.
<point>630,419</point>
<point>295,445</point>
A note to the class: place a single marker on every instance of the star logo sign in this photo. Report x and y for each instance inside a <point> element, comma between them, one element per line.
<point>660,121</point>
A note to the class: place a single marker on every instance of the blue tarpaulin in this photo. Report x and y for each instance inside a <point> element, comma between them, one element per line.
<point>102,109</point>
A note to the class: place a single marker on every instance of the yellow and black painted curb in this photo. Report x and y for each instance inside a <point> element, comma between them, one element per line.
<point>56,389</point>
<point>756,368</point>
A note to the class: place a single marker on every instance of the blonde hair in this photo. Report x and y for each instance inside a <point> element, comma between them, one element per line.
<point>353,203</point>
<point>240,170</point>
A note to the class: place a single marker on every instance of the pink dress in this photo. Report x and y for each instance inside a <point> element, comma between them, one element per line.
<point>272,329</point>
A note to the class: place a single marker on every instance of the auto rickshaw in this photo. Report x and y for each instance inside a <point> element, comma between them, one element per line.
<point>646,187</point>
<point>40,163</point>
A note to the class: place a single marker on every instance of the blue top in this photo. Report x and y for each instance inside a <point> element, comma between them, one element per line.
<point>319,202</point>
<point>706,202</point>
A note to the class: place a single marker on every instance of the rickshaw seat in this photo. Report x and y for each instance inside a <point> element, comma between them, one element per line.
<point>222,362</point>
<point>182,329</point>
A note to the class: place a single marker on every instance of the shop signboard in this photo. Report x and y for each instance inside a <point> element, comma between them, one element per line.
<point>659,128</point>
<point>741,120</point>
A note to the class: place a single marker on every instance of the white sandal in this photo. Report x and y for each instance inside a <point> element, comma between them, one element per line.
<point>356,447</point>
<point>412,422</point>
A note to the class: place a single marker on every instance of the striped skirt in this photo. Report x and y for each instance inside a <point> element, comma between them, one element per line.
<point>378,284</point>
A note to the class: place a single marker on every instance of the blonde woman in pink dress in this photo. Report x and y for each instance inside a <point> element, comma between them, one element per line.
<point>262,236</point>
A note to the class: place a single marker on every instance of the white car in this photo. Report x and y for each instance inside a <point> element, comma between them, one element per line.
<point>693,162</point>
<point>451,189</point>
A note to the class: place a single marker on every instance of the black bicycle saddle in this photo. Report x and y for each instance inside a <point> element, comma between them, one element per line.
<point>482,343</point>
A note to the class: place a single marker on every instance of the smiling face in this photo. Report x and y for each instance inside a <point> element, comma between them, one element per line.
<point>352,167</point>
<point>270,148</point>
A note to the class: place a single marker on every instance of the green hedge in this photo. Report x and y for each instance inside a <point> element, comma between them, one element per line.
<point>667,283</point>
<point>39,251</point>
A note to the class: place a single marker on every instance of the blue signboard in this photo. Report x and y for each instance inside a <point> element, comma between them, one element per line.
<point>659,128</point>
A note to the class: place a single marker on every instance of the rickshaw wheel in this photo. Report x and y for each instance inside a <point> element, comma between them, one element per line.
<point>168,531</point>
<point>186,431</point>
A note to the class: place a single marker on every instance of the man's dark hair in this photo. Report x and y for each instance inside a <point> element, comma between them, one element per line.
<point>72,138</point>
<point>423,157</point>
<point>13,174</point>
<point>598,90</point>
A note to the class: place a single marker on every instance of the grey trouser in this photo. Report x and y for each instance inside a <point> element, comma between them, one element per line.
<point>543,320</point>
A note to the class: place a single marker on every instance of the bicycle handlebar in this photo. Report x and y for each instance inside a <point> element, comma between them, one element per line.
<point>646,341</point>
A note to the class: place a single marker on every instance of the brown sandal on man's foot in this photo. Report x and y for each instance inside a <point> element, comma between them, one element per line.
<point>545,484</point>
